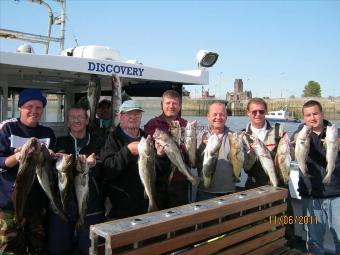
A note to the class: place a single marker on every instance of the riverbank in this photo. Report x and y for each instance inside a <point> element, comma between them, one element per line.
<point>199,107</point>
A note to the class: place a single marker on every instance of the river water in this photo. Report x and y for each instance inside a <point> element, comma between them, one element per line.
<point>235,123</point>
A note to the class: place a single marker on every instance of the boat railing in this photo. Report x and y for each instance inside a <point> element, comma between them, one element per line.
<point>247,222</point>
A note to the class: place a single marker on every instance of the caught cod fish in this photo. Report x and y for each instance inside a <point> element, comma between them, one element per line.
<point>147,170</point>
<point>236,154</point>
<point>176,131</point>
<point>93,95</point>
<point>46,179</point>
<point>191,141</point>
<point>210,158</point>
<point>302,146</point>
<point>30,156</point>
<point>116,98</point>
<point>283,159</point>
<point>172,151</point>
<point>65,178</point>
<point>332,149</point>
<point>266,160</point>
<point>81,183</point>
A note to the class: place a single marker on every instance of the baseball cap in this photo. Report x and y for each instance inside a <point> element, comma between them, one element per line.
<point>31,94</point>
<point>130,105</point>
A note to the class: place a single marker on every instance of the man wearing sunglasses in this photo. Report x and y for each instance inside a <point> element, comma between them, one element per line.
<point>266,132</point>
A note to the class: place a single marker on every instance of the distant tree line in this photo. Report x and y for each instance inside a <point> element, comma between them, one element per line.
<point>312,89</point>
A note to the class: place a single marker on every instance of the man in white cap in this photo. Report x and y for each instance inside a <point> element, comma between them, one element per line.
<point>121,181</point>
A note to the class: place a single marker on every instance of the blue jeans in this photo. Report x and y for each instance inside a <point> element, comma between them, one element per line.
<point>327,211</point>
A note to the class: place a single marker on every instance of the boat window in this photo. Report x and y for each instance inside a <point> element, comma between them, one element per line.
<point>280,113</point>
<point>54,110</point>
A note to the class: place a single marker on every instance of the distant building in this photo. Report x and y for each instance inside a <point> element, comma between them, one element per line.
<point>238,94</point>
<point>206,94</point>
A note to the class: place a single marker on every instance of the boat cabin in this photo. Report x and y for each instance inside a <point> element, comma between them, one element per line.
<point>65,78</point>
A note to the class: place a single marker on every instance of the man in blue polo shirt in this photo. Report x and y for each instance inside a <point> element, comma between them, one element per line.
<point>28,235</point>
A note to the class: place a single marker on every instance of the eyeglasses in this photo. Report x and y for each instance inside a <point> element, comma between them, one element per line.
<point>132,114</point>
<point>261,112</point>
<point>76,118</point>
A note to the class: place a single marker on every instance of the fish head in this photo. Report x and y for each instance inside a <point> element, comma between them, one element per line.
<point>142,146</point>
<point>159,134</point>
<point>191,125</point>
<point>81,164</point>
<point>190,128</point>
<point>175,124</point>
<point>64,163</point>
<point>214,143</point>
<point>285,139</point>
<point>331,133</point>
<point>31,148</point>
<point>305,132</point>
<point>145,145</point>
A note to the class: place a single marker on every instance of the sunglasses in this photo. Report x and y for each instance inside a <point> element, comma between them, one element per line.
<point>261,112</point>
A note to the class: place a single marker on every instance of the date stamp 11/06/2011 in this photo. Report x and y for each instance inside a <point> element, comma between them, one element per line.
<point>289,220</point>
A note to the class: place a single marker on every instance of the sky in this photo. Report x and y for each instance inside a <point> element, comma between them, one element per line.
<point>275,47</point>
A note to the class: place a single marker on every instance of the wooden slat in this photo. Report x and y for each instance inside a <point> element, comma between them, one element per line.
<point>254,243</point>
<point>208,232</point>
<point>230,240</point>
<point>183,221</point>
<point>269,248</point>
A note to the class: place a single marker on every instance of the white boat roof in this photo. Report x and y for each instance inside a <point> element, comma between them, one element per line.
<point>73,68</point>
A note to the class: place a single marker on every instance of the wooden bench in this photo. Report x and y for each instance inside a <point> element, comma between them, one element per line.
<point>241,223</point>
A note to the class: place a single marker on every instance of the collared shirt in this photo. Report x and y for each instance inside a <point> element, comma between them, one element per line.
<point>260,132</point>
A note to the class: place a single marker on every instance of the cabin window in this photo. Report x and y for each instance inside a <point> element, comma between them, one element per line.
<point>54,110</point>
<point>279,114</point>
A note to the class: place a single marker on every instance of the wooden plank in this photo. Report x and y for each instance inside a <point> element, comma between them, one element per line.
<point>208,232</point>
<point>254,243</point>
<point>269,248</point>
<point>227,241</point>
<point>164,226</point>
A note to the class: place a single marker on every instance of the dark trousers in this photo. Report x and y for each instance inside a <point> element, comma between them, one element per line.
<point>172,195</point>
<point>64,238</point>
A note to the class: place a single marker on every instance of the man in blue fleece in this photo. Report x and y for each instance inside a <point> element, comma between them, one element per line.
<point>27,235</point>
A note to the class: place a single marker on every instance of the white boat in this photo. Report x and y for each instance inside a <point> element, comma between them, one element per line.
<point>281,116</point>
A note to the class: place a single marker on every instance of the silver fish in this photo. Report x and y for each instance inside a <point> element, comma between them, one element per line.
<point>302,146</point>
<point>65,178</point>
<point>191,141</point>
<point>236,154</point>
<point>93,95</point>
<point>44,171</point>
<point>210,158</point>
<point>81,183</point>
<point>147,171</point>
<point>172,151</point>
<point>266,160</point>
<point>176,131</point>
<point>283,159</point>
<point>332,149</point>
<point>30,156</point>
<point>116,98</point>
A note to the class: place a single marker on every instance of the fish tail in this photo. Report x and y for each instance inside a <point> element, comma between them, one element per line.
<point>152,206</point>
<point>327,179</point>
